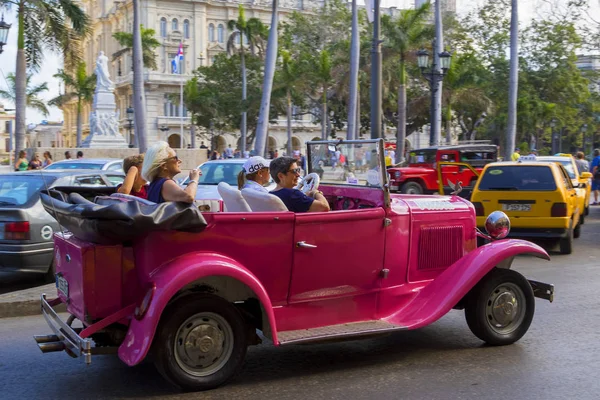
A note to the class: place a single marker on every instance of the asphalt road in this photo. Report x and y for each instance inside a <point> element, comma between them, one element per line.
<point>559,358</point>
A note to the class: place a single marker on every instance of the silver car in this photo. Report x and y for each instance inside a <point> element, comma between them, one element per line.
<point>216,171</point>
<point>103,164</point>
<point>26,229</point>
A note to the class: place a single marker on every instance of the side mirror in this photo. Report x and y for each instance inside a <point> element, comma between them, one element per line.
<point>586,175</point>
<point>497,225</point>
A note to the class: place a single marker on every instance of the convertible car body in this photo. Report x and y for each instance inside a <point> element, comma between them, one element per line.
<point>195,289</point>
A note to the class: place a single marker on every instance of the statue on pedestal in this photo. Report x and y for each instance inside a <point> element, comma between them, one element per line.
<point>103,81</point>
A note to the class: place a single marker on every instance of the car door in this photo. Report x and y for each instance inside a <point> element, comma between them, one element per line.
<point>338,256</point>
<point>574,199</point>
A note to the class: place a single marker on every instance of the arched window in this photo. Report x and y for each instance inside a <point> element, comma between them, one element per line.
<point>163,27</point>
<point>186,29</point>
<point>211,33</point>
<point>246,40</point>
<point>175,24</point>
<point>237,37</point>
<point>220,34</point>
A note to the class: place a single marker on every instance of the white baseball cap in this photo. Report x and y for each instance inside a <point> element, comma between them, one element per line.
<point>255,164</point>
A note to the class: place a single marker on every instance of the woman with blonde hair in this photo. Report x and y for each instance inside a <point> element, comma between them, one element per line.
<point>161,165</point>
<point>35,162</point>
<point>47,159</point>
<point>254,174</point>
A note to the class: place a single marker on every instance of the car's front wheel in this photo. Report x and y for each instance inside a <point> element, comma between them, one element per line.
<point>200,343</point>
<point>411,188</point>
<point>500,308</point>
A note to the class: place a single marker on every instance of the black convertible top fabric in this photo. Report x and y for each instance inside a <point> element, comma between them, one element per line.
<point>114,221</point>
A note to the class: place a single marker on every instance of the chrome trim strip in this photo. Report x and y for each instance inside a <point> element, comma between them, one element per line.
<point>75,346</point>
<point>343,335</point>
<point>39,251</point>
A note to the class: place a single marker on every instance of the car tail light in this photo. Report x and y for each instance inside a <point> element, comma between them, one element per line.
<point>559,210</point>
<point>15,230</point>
<point>478,209</point>
<point>140,311</point>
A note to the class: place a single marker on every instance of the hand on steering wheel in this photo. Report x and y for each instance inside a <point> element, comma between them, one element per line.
<point>309,183</point>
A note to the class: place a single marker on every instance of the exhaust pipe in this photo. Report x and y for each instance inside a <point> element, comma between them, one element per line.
<point>46,338</point>
<point>51,346</point>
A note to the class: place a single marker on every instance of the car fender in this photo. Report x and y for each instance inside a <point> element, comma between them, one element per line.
<point>169,279</point>
<point>444,292</point>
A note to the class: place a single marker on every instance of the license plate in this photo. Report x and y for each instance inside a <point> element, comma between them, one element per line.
<point>62,285</point>
<point>516,207</point>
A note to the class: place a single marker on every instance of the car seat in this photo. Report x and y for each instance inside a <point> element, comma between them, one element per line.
<point>234,202</point>
<point>260,201</point>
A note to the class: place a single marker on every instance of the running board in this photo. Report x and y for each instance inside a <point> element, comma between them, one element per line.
<point>336,331</point>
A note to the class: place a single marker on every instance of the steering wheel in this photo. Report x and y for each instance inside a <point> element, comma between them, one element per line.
<point>309,183</point>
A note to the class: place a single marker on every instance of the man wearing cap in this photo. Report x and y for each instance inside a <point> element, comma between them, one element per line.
<point>254,174</point>
<point>285,172</point>
<point>515,156</point>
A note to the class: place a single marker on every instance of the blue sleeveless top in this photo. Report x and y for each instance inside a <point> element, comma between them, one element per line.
<point>154,190</point>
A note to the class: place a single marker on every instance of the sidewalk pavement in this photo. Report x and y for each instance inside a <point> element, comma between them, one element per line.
<point>26,302</point>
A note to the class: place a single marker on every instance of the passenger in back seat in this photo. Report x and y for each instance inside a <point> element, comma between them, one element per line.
<point>254,174</point>
<point>134,184</point>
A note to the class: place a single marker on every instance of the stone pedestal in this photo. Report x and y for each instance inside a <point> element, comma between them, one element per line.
<point>104,123</point>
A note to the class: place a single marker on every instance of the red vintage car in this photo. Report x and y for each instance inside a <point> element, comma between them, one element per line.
<point>425,167</point>
<point>196,289</point>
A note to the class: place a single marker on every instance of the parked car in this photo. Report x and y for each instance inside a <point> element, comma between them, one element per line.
<point>420,175</point>
<point>195,295</point>
<point>216,171</point>
<point>104,164</point>
<point>579,180</point>
<point>538,196</point>
<point>26,229</point>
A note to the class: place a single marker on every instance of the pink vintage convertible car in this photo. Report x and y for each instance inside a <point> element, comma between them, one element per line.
<point>196,289</point>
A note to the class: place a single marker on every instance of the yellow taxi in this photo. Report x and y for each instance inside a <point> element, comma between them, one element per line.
<point>538,197</point>
<point>580,180</point>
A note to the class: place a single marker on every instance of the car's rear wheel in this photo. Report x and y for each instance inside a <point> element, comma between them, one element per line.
<point>411,188</point>
<point>566,243</point>
<point>587,210</point>
<point>200,343</point>
<point>582,219</point>
<point>577,231</point>
<point>500,308</point>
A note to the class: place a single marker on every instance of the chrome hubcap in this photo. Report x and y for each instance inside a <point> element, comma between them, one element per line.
<point>505,308</point>
<point>203,344</point>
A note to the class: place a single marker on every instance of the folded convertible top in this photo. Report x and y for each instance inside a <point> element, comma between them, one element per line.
<point>115,221</point>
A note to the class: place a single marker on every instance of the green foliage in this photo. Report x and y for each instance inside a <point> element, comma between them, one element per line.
<point>149,43</point>
<point>31,92</point>
<point>78,85</point>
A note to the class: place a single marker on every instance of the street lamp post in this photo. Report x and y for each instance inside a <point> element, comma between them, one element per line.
<point>130,113</point>
<point>431,74</point>
<point>583,131</point>
<point>4,27</point>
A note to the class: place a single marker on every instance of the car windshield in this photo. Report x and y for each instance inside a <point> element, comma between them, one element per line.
<point>518,177</point>
<point>17,190</point>
<point>422,156</point>
<point>565,163</point>
<point>215,172</point>
<point>346,163</point>
<point>74,165</point>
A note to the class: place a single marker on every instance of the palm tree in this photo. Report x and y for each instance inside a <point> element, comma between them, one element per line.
<point>149,43</point>
<point>32,92</point>
<point>79,86</point>
<point>252,31</point>
<point>265,105</point>
<point>43,24</point>
<point>513,82</point>
<point>139,92</point>
<point>403,34</point>
<point>323,78</point>
<point>287,82</point>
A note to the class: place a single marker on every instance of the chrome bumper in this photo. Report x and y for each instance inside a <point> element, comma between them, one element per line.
<point>64,338</point>
<point>542,290</point>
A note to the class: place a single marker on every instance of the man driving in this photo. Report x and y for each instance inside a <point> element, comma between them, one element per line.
<point>285,172</point>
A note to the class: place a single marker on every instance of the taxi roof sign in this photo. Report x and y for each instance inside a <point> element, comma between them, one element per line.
<point>529,157</point>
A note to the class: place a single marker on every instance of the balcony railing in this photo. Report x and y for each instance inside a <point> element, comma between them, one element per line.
<point>173,121</point>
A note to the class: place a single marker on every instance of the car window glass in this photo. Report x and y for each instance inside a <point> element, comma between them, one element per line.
<point>115,167</point>
<point>422,157</point>
<point>214,173</point>
<point>94,180</point>
<point>566,179</point>
<point>521,177</point>
<point>449,157</point>
<point>18,190</point>
<point>115,179</point>
<point>74,165</point>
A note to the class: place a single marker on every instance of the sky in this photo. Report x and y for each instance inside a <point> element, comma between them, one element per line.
<point>528,9</point>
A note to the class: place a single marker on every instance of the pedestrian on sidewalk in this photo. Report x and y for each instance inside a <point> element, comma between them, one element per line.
<point>582,164</point>
<point>22,163</point>
<point>595,167</point>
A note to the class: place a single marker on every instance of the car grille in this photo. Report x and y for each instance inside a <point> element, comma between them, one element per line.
<point>440,246</point>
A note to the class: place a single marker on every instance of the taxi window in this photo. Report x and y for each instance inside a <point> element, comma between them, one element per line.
<point>526,178</point>
<point>566,179</point>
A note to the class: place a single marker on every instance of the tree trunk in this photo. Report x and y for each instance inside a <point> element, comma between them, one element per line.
<point>449,123</point>
<point>354,64</point>
<point>289,123</point>
<point>79,127</point>
<point>20,86</point>
<point>243,125</point>
<point>324,115</point>
<point>192,132</point>
<point>513,82</point>
<point>139,95</point>
<point>265,105</point>
<point>401,129</point>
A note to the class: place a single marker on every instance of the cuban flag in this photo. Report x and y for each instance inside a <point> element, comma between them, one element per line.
<point>177,60</point>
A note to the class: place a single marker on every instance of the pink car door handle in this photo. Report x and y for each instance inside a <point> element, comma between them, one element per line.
<point>306,245</point>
